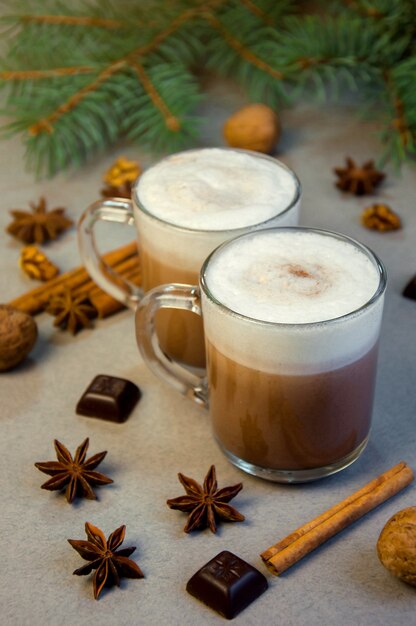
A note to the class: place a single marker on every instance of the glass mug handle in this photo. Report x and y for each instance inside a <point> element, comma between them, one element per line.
<point>110,210</point>
<point>172,296</point>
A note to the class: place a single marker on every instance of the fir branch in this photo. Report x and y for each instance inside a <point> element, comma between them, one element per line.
<point>78,77</point>
<point>172,122</point>
<point>399,134</point>
<point>242,50</point>
<point>257,11</point>
<point>144,123</point>
<point>38,74</point>
<point>71,20</point>
<point>46,123</point>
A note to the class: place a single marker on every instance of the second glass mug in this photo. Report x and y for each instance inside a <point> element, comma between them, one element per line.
<point>172,252</point>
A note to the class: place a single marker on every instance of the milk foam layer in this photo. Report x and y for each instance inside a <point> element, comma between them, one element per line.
<point>216,189</point>
<point>292,277</point>
<point>296,278</point>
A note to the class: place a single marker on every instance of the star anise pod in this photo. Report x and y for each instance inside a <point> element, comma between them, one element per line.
<point>121,191</point>
<point>40,225</point>
<point>356,179</point>
<point>76,474</point>
<point>71,312</point>
<point>206,504</point>
<point>110,564</point>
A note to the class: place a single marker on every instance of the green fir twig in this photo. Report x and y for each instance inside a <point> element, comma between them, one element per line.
<point>77,78</point>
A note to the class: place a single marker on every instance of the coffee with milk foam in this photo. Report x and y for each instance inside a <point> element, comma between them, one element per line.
<point>291,319</point>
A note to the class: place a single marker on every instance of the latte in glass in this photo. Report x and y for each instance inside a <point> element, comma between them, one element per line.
<point>291,320</point>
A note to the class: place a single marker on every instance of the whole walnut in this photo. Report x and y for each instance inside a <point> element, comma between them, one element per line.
<point>254,127</point>
<point>396,546</point>
<point>18,333</point>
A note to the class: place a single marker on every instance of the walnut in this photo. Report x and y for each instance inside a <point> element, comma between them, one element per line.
<point>254,127</point>
<point>120,178</point>
<point>36,264</point>
<point>122,171</point>
<point>396,546</point>
<point>380,217</point>
<point>18,333</point>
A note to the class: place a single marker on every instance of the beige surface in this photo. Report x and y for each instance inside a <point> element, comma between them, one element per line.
<point>343,582</point>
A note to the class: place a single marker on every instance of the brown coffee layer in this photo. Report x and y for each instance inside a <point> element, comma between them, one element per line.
<point>180,332</point>
<point>290,422</point>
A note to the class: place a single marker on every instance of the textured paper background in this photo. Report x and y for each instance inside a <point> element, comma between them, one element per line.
<point>342,582</point>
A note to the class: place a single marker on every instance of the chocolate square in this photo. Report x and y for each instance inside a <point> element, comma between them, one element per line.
<point>109,398</point>
<point>410,290</point>
<point>227,584</point>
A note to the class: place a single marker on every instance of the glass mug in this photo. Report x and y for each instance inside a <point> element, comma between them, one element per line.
<point>178,208</point>
<point>290,401</point>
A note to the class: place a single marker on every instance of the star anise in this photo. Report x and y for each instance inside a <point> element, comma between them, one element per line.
<point>121,191</point>
<point>356,179</point>
<point>72,312</point>
<point>110,564</point>
<point>76,474</point>
<point>40,225</point>
<point>206,504</point>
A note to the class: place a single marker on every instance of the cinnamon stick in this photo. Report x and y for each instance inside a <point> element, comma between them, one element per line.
<point>34,301</point>
<point>105,304</point>
<point>298,544</point>
<point>123,267</point>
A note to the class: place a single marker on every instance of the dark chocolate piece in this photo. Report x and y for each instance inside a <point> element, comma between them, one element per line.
<point>227,584</point>
<point>109,398</point>
<point>410,290</point>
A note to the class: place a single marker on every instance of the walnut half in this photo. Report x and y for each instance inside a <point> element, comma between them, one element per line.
<point>396,546</point>
<point>18,333</point>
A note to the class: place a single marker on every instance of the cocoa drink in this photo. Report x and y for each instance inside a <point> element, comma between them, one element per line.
<point>292,319</point>
<point>291,422</point>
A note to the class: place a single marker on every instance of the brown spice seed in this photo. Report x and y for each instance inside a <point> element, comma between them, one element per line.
<point>71,312</point>
<point>39,225</point>
<point>356,179</point>
<point>206,504</point>
<point>121,191</point>
<point>110,564</point>
<point>75,474</point>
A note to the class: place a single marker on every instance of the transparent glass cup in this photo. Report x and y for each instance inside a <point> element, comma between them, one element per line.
<point>288,402</point>
<point>169,253</point>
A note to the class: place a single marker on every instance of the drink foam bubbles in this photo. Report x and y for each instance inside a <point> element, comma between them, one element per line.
<point>216,189</point>
<point>292,277</point>
<point>298,279</point>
